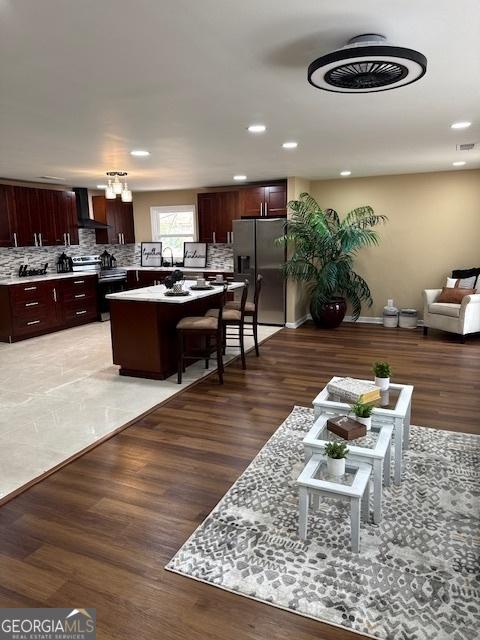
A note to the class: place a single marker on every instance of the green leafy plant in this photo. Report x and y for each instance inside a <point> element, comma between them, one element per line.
<point>362,410</point>
<point>382,370</point>
<point>336,450</point>
<point>324,249</point>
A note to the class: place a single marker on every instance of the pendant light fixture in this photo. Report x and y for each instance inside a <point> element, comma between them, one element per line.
<point>126,194</point>
<point>115,187</point>
<point>109,192</point>
<point>365,65</point>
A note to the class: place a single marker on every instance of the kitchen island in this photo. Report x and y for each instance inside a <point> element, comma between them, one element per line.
<point>143,326</point>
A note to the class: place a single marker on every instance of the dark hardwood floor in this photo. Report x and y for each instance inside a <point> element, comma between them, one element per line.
<point>98,532</point>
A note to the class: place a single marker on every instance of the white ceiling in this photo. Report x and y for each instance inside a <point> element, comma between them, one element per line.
<point>82,82</point>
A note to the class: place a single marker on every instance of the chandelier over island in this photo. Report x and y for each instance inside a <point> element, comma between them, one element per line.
<point>115,187</point>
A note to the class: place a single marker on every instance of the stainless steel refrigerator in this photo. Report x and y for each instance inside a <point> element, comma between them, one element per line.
<point>255,251</point>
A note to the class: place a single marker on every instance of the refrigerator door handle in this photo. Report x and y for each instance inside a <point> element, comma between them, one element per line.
<point>266,209</point>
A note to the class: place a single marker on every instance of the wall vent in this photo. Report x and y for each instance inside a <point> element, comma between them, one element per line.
<point>468,146</point>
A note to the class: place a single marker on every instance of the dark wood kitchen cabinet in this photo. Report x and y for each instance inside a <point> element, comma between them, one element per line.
<point>7,216</point>
<point>216,212</point>
<point>119,216</point>
<point>32,217</point>
<point>32,308</point>
<point>264,201</point>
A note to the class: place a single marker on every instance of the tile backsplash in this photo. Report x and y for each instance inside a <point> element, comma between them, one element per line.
<point>219,256</point>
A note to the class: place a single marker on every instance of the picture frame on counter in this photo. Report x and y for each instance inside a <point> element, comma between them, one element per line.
<point>151,254</point>
<point>195,255</point>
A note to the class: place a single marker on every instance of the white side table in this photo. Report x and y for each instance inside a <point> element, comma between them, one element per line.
<point>373,449</point>
<point>354,487</point>
<point>394,408</point>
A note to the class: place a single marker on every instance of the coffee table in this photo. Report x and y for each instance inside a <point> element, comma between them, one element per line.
<point>394,408</point>
<point>314,483</point>
<point>373,449</point>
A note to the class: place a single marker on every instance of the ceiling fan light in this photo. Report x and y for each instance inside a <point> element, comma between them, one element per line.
<point>365,65</point>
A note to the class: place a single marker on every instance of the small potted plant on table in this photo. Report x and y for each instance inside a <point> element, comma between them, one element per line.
<point>382,371</point>
<point>363,414</point>
<point>336,453</point>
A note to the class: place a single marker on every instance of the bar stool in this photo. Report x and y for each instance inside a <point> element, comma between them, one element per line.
<point>234,318</point>
<point>251,310</point>
<point>209,328</point>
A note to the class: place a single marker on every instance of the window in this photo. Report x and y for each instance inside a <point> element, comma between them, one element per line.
<point>173,226</point>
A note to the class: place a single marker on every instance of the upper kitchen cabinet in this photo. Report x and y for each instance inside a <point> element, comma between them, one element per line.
<point>8,237</point>
<point>216,211</point>
<point>264,201</point>
<point>31,217</point>
<point>119,216</point>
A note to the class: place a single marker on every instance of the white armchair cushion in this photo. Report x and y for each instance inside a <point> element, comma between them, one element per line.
<point>445,309</point>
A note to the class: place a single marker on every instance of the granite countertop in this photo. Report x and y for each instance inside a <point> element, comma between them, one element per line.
<point>48,276</point>
<point>157,293</point>
<point>187,269</point>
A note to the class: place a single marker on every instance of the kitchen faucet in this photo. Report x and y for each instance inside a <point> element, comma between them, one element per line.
<point>171,254</point>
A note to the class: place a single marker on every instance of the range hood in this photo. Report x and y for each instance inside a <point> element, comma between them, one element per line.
<point>83,211</point>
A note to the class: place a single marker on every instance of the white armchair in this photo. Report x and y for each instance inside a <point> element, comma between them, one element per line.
<point>461,318</point>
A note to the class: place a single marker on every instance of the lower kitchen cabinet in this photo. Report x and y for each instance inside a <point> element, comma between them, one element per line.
<point>32,308</point>
<point>137,278</point>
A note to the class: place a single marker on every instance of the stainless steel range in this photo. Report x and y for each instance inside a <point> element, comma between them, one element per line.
<point>110,279</point>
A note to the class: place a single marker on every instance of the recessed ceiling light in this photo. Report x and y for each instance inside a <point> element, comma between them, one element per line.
<point>345,173</point>
<point>460,125</point>
<point>101,186</point>
<point>290,145</point>
<point>257,128</point>
<point>139,153</point>
<point>239,177</point>
<point>459,163</point>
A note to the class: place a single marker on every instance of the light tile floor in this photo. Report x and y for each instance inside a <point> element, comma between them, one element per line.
<point>60,393</point>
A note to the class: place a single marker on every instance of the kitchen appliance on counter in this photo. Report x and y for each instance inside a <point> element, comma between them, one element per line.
<point>111,279</point>
<point>24,271</point>
<point>255,251</point>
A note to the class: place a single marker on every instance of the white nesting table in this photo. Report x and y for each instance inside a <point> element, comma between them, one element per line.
<point>394,408</point>
<point>373,449</point>
<point>354,487</point>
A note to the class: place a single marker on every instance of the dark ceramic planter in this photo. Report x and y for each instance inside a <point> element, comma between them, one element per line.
<point>331,314</point>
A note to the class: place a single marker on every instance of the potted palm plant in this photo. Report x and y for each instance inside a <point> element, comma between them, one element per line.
<point>324,249</point>
<point>336,453</point>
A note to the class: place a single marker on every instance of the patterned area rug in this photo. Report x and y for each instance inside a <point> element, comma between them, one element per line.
<point>417,575</point>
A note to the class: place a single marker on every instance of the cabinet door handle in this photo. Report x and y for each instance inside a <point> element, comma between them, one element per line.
<point>68,236</point>
<point>35,239</point>
<point>78,281</point>
<point>31,304</point>
<point>261,208</point>
<point>119,238</point>
<point>80,313</point>
<point>15,243</point>
<point>64,239</point>
<point>40,240</point>
<point>80,295</point>
<point>54,294</point>
<point>136,275</point>
<point>266,209</point>
<point>214,237</point>
<point>33,322</point>
<point>29,288</point>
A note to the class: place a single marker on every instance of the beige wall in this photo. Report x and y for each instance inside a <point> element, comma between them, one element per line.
<point>143,200</point>
<point>433,227</point>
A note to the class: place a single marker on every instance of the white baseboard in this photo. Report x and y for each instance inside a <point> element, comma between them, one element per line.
<point>298,323</point>
<point>361,320</point>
